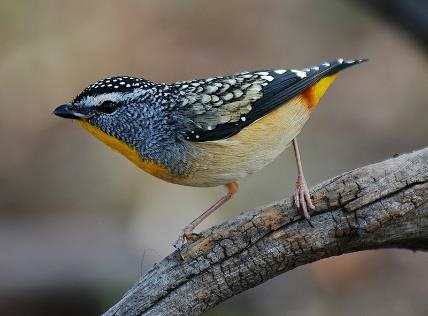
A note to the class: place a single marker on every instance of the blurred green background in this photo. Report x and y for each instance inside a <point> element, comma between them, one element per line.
<point>79,224</point>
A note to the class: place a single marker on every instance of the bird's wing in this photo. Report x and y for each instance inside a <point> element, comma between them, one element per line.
<point>218,108</point>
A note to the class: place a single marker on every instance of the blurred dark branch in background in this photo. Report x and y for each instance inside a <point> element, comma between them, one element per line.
<point>412,15</point>
<point>382,205</point>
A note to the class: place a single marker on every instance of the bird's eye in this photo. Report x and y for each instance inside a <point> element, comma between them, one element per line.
<point>108,107</point>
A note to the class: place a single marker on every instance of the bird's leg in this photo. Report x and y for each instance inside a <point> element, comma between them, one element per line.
<point>302,199</point>
<point>187,231</point>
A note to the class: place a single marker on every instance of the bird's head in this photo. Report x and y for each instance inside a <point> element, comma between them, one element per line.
<point>116,106</point>
<point>129,115</point>
<point>107,102</point>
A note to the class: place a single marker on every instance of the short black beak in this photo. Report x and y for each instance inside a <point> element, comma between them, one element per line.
<point>65,112</point>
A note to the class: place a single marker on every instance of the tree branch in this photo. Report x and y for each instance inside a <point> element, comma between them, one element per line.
<point>377,206</point>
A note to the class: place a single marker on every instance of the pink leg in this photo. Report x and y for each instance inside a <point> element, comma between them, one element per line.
<point>187,231</point>
<point>302,199</point>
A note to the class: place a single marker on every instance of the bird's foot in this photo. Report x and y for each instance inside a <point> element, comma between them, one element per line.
<point>302,199</point>
<point>185,234</point>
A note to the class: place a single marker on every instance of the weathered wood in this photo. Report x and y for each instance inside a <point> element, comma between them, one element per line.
<point>378,206</point>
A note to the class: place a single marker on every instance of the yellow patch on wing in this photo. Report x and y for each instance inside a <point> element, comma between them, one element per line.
<point>313,94</point>
<point>130,153</point>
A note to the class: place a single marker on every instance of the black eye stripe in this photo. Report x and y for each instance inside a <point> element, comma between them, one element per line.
<point>108,107</point>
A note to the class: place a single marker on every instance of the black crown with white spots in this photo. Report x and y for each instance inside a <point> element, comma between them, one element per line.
<point>114,84</point>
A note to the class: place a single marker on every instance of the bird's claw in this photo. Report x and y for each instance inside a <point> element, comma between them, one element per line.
<point>185,235</point>
<point>302,198</point>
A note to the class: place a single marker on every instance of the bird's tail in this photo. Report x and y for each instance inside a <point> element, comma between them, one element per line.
<point>325,75</point>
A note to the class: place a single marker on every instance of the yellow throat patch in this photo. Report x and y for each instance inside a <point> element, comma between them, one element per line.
<point>129,152</point>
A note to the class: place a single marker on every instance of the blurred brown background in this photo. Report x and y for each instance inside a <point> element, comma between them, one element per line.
<point>79,224</point>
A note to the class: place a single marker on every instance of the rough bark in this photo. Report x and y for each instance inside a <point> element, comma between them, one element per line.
<point>377,206</point>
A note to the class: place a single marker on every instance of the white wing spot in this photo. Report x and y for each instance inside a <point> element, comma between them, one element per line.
<point>299,73</point>
<point>214,98</point>
<point>280,71</point>
<point>197,136</point>
<point>237,93</point>
<point>268,78</point>
<point>340,60</point>
<point>211,89</point>
<point>326,64</point>
<point>206,98</point>
<point>243,119</point>
<point>263,73</point>
<point>227,96</point>
<point>316,68</point>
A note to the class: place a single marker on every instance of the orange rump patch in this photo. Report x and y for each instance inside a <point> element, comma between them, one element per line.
<point>313,94</point>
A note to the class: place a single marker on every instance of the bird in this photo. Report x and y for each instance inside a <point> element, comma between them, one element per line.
<point>206,132</point>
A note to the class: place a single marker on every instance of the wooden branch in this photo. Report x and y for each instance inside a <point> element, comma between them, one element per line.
<point>378,206</point>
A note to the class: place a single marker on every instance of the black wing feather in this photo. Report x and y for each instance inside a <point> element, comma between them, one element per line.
<point>275,92</point>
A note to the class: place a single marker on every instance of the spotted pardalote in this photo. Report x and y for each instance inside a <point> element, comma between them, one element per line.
<point>206,132</point>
